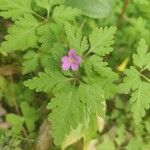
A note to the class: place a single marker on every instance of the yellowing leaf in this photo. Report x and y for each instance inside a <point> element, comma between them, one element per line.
<point>123,65</point>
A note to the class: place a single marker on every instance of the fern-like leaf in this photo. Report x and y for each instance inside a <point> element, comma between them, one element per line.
<point>46,81</point>
<point>15,8</point>
<point>63,13</point>
<point>67,106</point>
<point>93,97</point>
<point>101,40</point>
<point>30,62</point>
<point>75,39</point>
<point>137,83</point>
<point>142,58</point>
<point>140,100</point>
<point>22,35</point>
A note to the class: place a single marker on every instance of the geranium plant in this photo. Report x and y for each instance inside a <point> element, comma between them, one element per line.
<point>74,76</point>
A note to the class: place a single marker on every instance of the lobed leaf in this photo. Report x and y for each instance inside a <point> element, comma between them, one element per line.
<point>94,9</point>
<point>46,81</point>
<point>92,96</point>
<point>63,13</point>
<point>16,122</point>
<point>30,62</point>
<point>134,82</point>
<point>101,40</point>
<point>22,35</point>
<point>30,115</point>
<point>15,8</point>
<point>139,101</point>
<point>142,58</point>
<point>75,39</point>
<point>67,106</point>
<point>131,81</point>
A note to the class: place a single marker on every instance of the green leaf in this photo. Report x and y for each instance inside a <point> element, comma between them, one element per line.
<point>92,96</point>
<point>67,106</point>
<point>46,36</point>
<point>106,144</point>
<point>135,144</point>
<point>104,77</point>
<point>109,87</point>
<point>22,93</point>
<point>44,4</point>
<point>94,9</point>
<point>16,122</point>
<point>136,82</point>
<point>30,115</point>
<point>52,58</point>
<point>30,62</point>
<point>86,130</point>
<point>18,37</point>
<point>97,64</point>
<point>142,58</point>
<point>63,13</point>
<point>57,2</point>
<point>120,138</point>
<point>131,81</point>
<point>73,136</point>
<point>74,106</point>
<point>47,81</point>
<point>140,100</point>
<point>75,39</point>
<point>57,52</point>
<point>47,4</point>
<point>101,40</point>
<point>90,126</point>
<point>15,8</point>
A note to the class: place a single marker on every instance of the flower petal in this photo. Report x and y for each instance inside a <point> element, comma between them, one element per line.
<point>72,53</point>
<point>77,59</point>
<point>65,59</point>
<point>65,66</point>
<point>74,66</point>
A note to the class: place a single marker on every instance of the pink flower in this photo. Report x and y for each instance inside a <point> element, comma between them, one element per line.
<point>71,61</point>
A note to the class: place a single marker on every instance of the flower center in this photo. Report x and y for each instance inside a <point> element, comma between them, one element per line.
<point>71,60</point>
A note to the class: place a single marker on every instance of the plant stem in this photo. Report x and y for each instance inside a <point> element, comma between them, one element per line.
<point>147,79</point>
<point>36,14</point>
<point>82,24</point>
<point>49,10</point>
<point>124,8</point>
<point>145,67</point>
<point>86,54</point>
